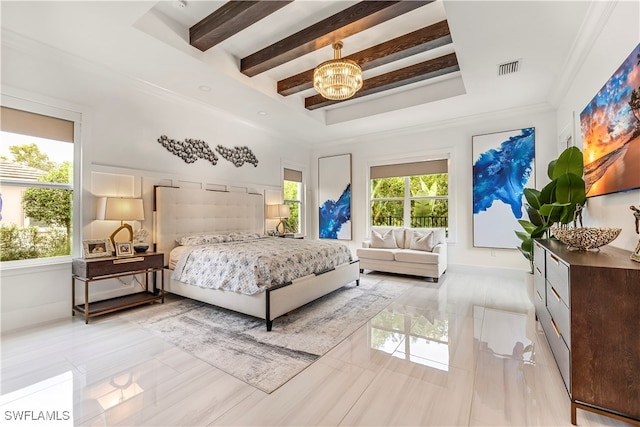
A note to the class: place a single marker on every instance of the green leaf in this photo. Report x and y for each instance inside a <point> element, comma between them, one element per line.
<point>533,197</point>
<point>550,168</point>
<point>523,236</point>
<point>570,189</point>
<point>527,247</point>
<point>539,232</point>
<point>527,226</point>
<point>569,162</point>
<point>534,216</point>
<point>548,194</point>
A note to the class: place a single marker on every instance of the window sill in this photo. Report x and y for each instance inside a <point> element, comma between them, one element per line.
<point>16,267</point>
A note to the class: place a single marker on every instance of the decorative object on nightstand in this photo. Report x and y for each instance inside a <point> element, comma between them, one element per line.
<point>280,212</point>
<point>97,248</point>
<point>124,249</point>
<point>139,237</point>
<point>120,209</point>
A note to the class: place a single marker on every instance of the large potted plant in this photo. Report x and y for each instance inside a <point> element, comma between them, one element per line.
<point>556,203</point>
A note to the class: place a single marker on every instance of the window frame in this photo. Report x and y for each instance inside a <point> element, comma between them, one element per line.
<point>48,108</point>
<point>444,153</point>
<point>407,199</point>
<point>302,205</point>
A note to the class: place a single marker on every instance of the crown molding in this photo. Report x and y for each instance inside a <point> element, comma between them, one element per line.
<point>596,18</point>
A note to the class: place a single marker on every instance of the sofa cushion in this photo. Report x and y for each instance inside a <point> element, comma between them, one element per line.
<point>378,254</point>
<point>385,240</point>
<point>418,257</point>
<point>421,241</point>
<point>398,233</point>
<point>439,235</point>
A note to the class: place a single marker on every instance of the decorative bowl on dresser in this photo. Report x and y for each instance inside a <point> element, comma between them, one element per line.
<point>587,303</point>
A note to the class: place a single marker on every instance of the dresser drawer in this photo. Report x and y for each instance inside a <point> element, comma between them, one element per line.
<point>91,268</point>
<point>560,313</point>
<point>558,348</point>
<point>558,276</point>
<point>539,257</point>
<point>539,284</point>
<point>539,301</point>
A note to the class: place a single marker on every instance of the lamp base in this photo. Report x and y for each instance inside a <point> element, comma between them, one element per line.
<point>284,227</point>
<point>119,229</point>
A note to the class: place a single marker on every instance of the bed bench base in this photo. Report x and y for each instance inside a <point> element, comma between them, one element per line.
<point>276,301</point>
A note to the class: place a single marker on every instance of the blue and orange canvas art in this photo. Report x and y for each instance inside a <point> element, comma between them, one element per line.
<point>610,127</point>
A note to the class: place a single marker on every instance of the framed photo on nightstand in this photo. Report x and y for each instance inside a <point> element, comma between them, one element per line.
<point>124,249</point>
<point>96,248</point>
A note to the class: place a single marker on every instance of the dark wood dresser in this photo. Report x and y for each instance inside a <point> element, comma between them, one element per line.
<point>588,304</point>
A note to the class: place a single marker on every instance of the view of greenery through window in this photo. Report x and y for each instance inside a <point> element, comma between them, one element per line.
<point>292,198</point>
<point>36,212</point>
<point>410,201</point>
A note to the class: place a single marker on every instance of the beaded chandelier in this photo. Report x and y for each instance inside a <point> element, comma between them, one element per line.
<point>337,79</point>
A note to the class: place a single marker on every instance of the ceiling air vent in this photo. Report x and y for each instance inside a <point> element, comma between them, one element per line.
<point>508,68</point>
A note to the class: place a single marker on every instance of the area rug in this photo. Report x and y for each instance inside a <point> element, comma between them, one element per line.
<point>240,345</point>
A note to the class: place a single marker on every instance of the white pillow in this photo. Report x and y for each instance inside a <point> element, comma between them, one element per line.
<point>383,241</point>
<point>201,239</point>
<point>439,236</point>
<point>240,236</point>
<point>422,241</point>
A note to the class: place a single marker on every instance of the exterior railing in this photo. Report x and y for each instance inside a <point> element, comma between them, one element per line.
<point>416,221</point>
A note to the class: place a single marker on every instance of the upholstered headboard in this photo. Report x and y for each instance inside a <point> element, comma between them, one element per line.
<point>182,211</point>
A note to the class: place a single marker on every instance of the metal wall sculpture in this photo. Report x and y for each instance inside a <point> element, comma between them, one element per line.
<point>191,150</point>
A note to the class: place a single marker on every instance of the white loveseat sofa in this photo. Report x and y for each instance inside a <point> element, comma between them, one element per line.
<point>412,251</point>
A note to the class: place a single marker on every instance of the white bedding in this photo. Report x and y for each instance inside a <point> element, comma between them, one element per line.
<point>250,266</point>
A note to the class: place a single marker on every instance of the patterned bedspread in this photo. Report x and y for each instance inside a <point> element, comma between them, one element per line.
<point>251,266</point>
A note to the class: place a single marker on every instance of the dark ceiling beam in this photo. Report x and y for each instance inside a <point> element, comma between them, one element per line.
<point>231,18</point>
<point>419,41</point>
<point>394,79</point>
<point>357,18</point>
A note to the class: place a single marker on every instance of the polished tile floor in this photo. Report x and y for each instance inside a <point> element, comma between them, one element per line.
<point>464,352</point>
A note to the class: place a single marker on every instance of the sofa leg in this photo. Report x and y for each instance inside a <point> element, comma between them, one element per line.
<point>361,270</point>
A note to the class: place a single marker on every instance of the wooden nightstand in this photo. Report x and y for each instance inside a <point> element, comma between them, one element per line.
<point>92,270</point>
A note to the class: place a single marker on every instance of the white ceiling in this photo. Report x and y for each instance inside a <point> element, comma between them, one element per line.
<point>148,41</point>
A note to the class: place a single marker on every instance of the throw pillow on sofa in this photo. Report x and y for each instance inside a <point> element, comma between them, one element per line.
<point>383,241</point>
<point>422,241</point>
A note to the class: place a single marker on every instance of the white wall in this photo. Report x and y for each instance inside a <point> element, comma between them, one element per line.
<point>451,139</point>
<point>618,36</point>
<point>121,122</point>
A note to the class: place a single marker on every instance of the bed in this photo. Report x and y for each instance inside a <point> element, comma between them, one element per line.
<point>217,218</point>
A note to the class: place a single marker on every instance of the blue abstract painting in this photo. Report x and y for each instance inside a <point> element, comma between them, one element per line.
<point>334,197</point>
<point>335,214</point>
<point>503,167</point>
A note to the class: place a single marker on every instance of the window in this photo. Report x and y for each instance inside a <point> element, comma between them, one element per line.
<point>293,197</point>
<point>410,194</point>
<point>36,172</point>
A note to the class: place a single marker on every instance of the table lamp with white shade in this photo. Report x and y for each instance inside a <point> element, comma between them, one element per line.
<point>281,212</point>
<point>120,209</point>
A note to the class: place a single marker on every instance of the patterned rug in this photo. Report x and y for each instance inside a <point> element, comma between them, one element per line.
<point>241,346</point>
